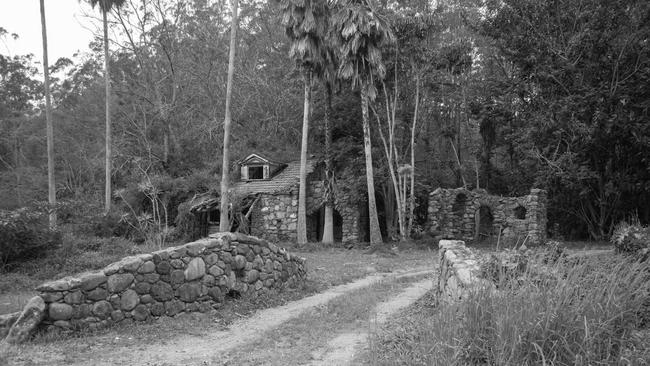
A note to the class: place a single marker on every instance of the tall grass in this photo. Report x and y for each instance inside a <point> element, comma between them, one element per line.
<point>584,313</point>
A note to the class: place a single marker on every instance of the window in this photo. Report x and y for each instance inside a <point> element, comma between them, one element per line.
<point>459,204</point>
<point>520,213</point>
<point>255,172</point>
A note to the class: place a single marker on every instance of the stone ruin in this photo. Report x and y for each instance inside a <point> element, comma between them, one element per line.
<point>476,216</point>
<point>196,276</point>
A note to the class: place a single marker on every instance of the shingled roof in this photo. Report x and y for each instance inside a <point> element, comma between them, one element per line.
<point>283,182</point>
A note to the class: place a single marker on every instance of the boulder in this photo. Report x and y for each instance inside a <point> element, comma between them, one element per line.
<point>129,300</point>
<point>102,309</point>
<point>140,313</point>
<point>189,292</point>
<point>60,311</point>
<point>195,269</point>
<point>162,291</point>
<point>31,316</point>
<point>119,282</point>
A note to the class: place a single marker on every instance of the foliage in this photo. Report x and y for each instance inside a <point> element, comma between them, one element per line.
<point>25,234</point>
<point>503,267</point>
<point>553,252</point>
<point>585,314</point>
<point>632,239</point>
<point>573,104</point>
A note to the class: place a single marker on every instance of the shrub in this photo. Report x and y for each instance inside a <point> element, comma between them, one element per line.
<point>25,234</point>
<point>632,239</point>
<point>553,251</point>
<point>88,218</point>
<point>503,267</point>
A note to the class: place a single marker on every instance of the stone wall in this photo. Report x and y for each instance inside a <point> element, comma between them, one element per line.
<point>187,278</point>
<point>456,214</point>
<point>459,271</point>
<point>275,216</point>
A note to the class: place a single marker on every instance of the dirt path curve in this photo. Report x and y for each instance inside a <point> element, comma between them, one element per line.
<point>340,351</point>
<point>199,350</point>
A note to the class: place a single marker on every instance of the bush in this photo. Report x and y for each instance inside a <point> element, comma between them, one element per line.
<point>632,239</point>
<point>503,267</point>
<point>553,252</point>
<point>88,218</point>
<point>24,234</point>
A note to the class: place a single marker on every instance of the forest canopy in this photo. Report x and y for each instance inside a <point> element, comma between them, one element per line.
<point>506,95</point>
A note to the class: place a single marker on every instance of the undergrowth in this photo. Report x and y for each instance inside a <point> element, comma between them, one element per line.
<point>585,313</point>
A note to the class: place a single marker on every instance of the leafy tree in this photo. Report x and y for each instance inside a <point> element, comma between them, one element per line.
<point>579,69</point>
<point>306,25</point>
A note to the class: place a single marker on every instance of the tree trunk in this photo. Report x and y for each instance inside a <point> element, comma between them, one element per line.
<point>375,231</point>
<point>409,229</point>
<point>302,193</point>
<point>224,222</point>
<point>328,226</point>
<point>51,187</point>
<point>109,151</point>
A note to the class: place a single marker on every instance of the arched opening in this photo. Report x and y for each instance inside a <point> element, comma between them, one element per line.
<point>484,223</point>
<point>316,225</point>
<point>520,212</point>
<point>459,204</point>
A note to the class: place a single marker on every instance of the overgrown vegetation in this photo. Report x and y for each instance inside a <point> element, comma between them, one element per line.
<point>25,234</point>
<point>589,313</point>
<point>632,238</point>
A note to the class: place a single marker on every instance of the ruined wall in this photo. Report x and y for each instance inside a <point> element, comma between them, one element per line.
<point>457,214</point>
<point>459,270</point>
<point>190,277</point>
<point>275,216</point>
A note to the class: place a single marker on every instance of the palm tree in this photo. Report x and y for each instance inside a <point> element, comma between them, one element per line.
<point>306,25</point>
<point>224,220</point>
<point>51,187</point>
<point>360,32</point>
<point>327,73</point>
<point>105,6</point>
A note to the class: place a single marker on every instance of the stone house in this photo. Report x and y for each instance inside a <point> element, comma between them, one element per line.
<point>264,194</point>
<point>476,215</point>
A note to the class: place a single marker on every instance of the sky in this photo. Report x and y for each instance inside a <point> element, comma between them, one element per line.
<point>69,27</point>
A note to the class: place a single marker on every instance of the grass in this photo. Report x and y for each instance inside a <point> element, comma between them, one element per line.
<point>295,342</point>
<point>588,313</point>
<point>75,255</point>
<point>325,268</point>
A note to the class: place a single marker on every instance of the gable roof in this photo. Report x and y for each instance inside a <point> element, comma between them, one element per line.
<point>257,159</point>
<point>283,182</point>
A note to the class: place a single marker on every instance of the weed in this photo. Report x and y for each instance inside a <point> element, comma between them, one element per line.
<point>582,314</point>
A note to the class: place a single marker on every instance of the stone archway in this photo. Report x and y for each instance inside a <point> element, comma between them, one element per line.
<point>484,223</point>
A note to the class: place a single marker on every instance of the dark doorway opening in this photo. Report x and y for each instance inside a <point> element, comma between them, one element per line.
<point>316,225</point>
<point>484,224</point>
<point>364,219</point>
<point>459,204</point>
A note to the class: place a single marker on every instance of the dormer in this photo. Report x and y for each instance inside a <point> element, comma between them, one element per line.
<point>257,167</point>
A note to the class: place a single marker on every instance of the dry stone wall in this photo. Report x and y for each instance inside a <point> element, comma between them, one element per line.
<point>187,278</point>
<point>276,217</point>
<point>459,271</point>
<point>463,214</point>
